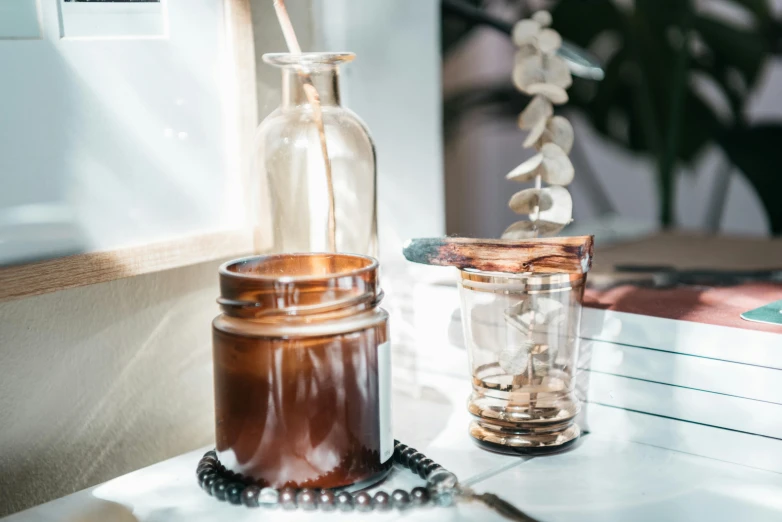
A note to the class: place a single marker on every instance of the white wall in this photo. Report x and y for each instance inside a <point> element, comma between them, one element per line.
<point>115,140</point>
<point>394,86</point>
<point>101,380</point>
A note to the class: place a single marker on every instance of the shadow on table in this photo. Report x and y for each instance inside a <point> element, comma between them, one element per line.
<point>103,511</point>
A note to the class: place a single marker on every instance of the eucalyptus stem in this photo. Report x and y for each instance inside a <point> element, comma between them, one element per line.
<point>317,116</point>
<point>536,212</point>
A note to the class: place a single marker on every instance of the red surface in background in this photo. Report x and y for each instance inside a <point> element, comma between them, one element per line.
<point>711,305</point>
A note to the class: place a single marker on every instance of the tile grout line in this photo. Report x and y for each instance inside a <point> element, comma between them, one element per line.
<point>493,472</point>
<point>691,388</point>
<point>690,454</point>
<point>697,356</point>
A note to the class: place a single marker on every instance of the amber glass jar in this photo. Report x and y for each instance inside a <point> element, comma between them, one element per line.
<point>302,371</point>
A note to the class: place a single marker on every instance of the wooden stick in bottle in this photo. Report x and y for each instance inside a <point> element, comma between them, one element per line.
<point>317,115</point>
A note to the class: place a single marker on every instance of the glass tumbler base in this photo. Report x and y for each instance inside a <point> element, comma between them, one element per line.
<point>502,439</point>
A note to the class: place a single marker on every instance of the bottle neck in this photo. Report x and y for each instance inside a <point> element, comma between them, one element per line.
<point>324,79</point>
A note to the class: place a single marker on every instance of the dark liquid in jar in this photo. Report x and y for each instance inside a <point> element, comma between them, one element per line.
<point>299,412</point>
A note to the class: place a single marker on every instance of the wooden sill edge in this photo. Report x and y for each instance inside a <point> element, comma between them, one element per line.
<point>52,275</point>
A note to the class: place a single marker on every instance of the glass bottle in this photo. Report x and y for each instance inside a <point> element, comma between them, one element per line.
<point>521,332</point>
<point>305,190</point>
<point>302,371</point>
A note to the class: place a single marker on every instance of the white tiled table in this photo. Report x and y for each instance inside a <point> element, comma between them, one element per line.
<point>599,480</point>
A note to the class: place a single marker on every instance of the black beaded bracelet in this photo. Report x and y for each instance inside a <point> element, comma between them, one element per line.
<point>441,488</point>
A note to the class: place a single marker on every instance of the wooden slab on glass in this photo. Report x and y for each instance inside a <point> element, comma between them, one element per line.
<point>544,255</point>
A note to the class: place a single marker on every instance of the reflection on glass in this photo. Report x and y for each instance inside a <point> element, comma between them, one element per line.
<point>521,332</point>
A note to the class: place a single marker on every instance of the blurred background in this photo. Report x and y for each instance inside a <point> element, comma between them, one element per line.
<point>684,132</point>
<point>115,134</point>
<point>115,124</point>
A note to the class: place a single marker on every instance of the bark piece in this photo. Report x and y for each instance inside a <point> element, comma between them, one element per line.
<point>546,255</point>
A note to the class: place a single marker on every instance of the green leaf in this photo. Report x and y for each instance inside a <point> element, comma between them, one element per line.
<point>641,78</point>
<point>757,151</point>
<point>743,49</point>
<point>661,13</point>
<point>760,8</point>
<point>580,22</point>
<point>700,126</point>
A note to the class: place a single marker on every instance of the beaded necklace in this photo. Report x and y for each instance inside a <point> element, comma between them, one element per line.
<point>442,489</point>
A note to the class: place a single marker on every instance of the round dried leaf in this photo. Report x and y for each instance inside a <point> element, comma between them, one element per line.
<point>520,230</point>
<point>539,108</point>
<point>561,210</point>
<point>557,317</point>
<point>528,71</point>
<point>513,360</point>
<point>527,200</point>
<point>535,133</point>
<point>525,31</point>
<point>543,18</point>
<point>556,71</point>
<point>554,93</point>
<point>557,168</point>
<point>527,170</point>
<point>544,307</point>
<point>539,349</point>
<point>549,41</point>
<point>525,51</point>
<point>548,229</point>
<point>528,229</point>
<point>514,309</point>
<point>558,131</point>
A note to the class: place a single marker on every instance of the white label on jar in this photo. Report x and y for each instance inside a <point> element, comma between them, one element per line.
<point>384,400</point>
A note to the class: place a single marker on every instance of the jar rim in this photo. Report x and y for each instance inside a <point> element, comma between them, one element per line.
<point>226,268</point>
<point>474,278</point>
<point>302,284</point>
<point>308,59</point>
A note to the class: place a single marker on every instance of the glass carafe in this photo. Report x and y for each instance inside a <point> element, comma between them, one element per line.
<point>310,198</point>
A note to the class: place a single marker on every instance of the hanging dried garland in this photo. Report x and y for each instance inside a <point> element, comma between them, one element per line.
<point>539,72</point>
